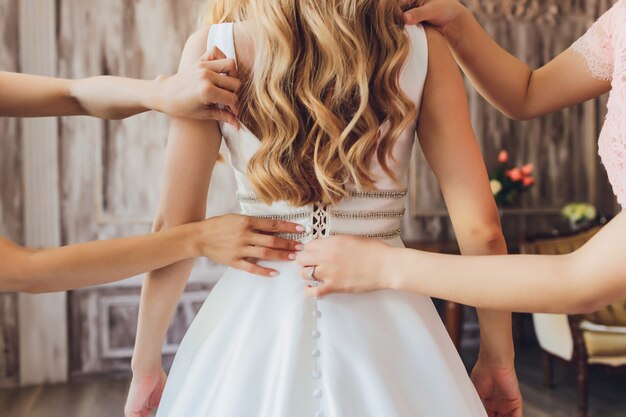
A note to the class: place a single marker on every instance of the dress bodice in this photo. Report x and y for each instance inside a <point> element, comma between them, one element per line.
<point>375,214</point>
<point>604,50</point>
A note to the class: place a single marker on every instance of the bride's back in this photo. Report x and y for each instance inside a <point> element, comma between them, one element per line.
<point>321,78</point>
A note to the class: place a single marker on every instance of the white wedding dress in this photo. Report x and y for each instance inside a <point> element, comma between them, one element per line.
<point>260,348</point>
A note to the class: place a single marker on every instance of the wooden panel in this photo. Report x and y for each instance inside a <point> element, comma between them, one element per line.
<point>562,145</point>
<point>43,347</point>
<point>10,195</point>
<point>9,358</point>
<point>104,322</point>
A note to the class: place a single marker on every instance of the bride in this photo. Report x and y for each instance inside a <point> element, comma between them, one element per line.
<point>333,93</point>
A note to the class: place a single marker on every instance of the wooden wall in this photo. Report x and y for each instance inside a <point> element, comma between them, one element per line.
<point>10,193</point>
<point>110,171</point>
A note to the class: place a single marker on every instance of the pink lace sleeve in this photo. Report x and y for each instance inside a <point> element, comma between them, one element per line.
<point>596,48</point>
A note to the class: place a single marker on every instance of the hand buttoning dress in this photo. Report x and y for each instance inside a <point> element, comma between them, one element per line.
<point>260,348</point>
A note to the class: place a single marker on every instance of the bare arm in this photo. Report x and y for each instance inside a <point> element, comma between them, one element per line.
<point>506,82</point>
<point>192,150</point>
<point>190,93</point>
<point>228,239</point>
<point>581,282</point>
<point>448,142</point>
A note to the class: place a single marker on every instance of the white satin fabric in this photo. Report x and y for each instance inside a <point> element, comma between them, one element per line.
<point>260,348</point>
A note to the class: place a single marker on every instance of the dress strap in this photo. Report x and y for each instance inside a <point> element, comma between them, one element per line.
<point>221,35</point>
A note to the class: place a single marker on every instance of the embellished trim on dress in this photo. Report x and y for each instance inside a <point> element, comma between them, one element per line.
<point>385,235</point>
<point>251,198</point>
<point>296,215</point>
<point>367,215</point>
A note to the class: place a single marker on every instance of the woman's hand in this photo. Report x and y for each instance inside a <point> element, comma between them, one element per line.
<point>206,90</point>
<point>346,264</point>
<point>439,13</point>
<point>145,393</point>
<point>498,388</point>
<point>237,241</point>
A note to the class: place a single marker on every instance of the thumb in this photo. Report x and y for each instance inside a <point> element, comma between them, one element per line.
<point>419,14</point>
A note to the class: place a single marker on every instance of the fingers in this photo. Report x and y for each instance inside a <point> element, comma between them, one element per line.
<point>319,291</point>
<point>308,257</point>
<point>418,14</point>
<point>268,254</point>
<point>274,242</point>
<point>225,82</point>
<point>222,66</point>
<point>275,226</point>
<point>213,94</point>
<point>255,269</point>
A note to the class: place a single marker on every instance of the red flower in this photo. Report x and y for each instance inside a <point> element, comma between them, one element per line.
<point>528,169</point>
<point>528,181</point>
<point>503,157</point>
<point>515,174</point>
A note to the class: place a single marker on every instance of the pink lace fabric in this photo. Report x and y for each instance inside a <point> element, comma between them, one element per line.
<point>604,49</point>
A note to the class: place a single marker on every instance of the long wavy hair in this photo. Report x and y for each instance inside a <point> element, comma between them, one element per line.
<point>326,77</point>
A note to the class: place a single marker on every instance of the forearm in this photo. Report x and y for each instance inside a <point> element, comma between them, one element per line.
<point>499,76</point>
<point>159,296</point>
<point>523,283</point>
<point>95,263</point>
<point>23,95</point>
<point>496,341</point>
<point>109,97</point>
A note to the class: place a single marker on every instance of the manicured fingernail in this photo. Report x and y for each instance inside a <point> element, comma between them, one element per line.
<point>292,256</point>
<point>299,247</point>
<point>274,274</point>
<point>300,228</point>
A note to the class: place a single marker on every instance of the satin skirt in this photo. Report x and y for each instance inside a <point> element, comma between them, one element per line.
<point>260,348</point>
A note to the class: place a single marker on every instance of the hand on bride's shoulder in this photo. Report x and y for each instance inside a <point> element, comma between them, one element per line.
<point>438,13</point>
<point>205,86</point>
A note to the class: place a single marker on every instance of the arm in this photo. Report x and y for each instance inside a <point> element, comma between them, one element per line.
<point>581,282</point>
<point>448,142</point>
<point>506,82</point>
<point>192,150</point>
<point>190,93</point>
<point>95,263</point>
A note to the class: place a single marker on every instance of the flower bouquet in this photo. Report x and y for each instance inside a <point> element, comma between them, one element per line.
<point>579,215</point>
<point>507,182</point>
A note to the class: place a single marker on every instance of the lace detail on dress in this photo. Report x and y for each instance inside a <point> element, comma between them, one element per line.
<point>320,221</point>
<point>595,47</point>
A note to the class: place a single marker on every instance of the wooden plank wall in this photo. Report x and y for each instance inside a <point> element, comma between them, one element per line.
<point>10,193</point>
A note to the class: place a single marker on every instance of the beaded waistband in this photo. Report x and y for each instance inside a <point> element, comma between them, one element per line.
<point>323,217</point>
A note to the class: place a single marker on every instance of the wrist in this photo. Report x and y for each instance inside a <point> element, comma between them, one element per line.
<point>496,359</point>
<point>192,239</point>
<point>389,262</point>
<point>152,97</point>
<point>499,353</point>
<point>145,365</point>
